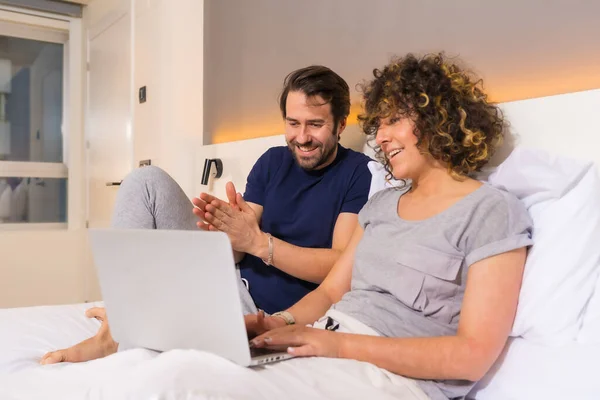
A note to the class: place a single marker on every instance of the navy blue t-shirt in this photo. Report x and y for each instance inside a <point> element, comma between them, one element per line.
<point>301,208</point>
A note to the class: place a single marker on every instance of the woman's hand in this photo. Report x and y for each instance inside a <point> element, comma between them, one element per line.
<point>257,324</point>
<point>302,341</point>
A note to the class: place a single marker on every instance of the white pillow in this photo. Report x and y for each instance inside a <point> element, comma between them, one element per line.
<point>379,180</point>
<point>590,329</point>
<point>562,197</point>
<point>531,371</point>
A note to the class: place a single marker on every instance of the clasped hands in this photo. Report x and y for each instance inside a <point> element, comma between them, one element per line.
<point>236,218</point>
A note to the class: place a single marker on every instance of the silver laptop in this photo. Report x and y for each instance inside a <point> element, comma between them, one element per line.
<point>166,289</point>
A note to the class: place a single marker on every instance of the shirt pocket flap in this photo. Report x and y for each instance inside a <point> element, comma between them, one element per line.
<point>432,262</point>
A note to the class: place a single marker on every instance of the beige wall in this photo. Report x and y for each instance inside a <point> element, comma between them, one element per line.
<point>523,49</point>
<point>97,10</point>
<point>44,267</point>
<point>168,60</point>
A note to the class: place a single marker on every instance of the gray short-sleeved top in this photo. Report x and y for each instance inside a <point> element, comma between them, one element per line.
<point>409,277</point>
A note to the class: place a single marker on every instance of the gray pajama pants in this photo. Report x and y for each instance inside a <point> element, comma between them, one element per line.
<point>150,199</point>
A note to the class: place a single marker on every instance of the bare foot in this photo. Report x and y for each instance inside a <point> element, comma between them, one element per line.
<point>98,346</point>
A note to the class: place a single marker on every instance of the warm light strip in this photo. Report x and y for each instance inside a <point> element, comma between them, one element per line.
<point>511,91</point>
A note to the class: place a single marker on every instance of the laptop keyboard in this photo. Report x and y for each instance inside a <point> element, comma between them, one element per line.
<point>257,352</point>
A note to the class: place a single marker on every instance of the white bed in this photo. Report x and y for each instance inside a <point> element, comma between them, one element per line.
<point>553,355</point>
<point>26,334</point>
<point>571,371</point>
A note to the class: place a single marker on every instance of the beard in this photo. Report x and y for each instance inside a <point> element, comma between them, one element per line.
<point>321,155</point>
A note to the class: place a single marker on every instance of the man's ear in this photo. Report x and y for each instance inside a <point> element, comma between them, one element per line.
<point>341,127</point>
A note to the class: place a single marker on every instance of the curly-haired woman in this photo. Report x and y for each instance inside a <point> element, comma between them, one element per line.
<point>428,286</point>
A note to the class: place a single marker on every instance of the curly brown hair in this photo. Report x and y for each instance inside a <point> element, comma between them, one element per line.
<point>454,121</point>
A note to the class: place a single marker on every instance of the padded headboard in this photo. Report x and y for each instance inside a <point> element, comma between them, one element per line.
<point>567,124</point>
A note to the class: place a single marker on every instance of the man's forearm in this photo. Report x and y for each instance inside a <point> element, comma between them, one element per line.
<point>308,264</point>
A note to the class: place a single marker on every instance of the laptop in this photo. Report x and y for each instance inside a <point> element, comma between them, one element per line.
<point>167,289</point>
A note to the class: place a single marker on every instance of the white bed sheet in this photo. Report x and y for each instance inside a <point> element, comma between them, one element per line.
<point>27,333</point>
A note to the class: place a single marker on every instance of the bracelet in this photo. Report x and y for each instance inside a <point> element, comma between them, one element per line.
<point>269,260</point>
<point>286,316</point>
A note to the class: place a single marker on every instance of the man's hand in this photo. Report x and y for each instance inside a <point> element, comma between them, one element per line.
<point>240,223</point>
<point>201,201</point>
<point>97,346</point>
<point>257,324</point>
<point>303,341</point>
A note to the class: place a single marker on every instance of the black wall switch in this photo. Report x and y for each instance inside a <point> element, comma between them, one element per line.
<point>142,94</point>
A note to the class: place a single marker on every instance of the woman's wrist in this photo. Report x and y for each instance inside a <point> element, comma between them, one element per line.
<point>344,348</point>
<point>278,321</point>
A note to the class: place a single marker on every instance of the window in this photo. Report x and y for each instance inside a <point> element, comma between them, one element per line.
<point>31,102</point>
<point>31,93</point>
<point>35,176</point>
<point>36,200</point>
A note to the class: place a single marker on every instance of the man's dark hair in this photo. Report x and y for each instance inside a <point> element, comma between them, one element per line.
<point>318,80</point>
